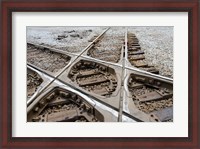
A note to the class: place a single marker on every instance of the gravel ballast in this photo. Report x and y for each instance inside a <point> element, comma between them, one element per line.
<point>156,42</point>
<point>109,47</point>
<point>70,39</point>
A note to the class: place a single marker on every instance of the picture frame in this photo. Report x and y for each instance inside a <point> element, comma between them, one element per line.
<point>8,7</point>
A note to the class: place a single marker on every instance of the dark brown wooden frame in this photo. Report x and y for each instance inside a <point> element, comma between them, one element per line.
<point>9,6</point>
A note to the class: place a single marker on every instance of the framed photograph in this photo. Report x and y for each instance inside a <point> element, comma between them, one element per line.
<point>100,74</point>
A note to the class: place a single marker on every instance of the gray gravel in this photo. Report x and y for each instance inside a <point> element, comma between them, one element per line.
<point>109,47</point>
<point>71,39</point>
<point>157,42</point>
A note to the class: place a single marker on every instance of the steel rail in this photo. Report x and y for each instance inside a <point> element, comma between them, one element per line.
<point>74,54</point>
<point>86,94</point>
<point>132,68</point>
<point>54,49</point>
<point>123,66</point>
<point>148,74</point>
<point>101,61</point>
<point>122,80</point>
<point>67,66</point>
<point>100,101</point>
<point>42,72</point>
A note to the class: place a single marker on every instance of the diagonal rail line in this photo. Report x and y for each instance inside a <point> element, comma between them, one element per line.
<point>132,68</point>
<point>66,67</point>
<point>89,95</point>
<point>123,66</point>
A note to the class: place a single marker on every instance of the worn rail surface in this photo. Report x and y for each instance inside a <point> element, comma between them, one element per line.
<point>151,93</point>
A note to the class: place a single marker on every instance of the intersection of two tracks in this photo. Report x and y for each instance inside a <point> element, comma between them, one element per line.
<point>120,80</point>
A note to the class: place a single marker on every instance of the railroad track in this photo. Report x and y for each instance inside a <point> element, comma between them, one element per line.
<point>61,105</point>
<point>46,59</point>
<point>94,77</point>
<point>149,95</point>
<point>33,82</point>
<point>152,96</point>
<point>107,48</point>
<point>136,56</point>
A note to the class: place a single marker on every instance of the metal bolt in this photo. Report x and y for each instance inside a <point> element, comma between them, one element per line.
<point>158,83</point>
<point>36,109</point>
